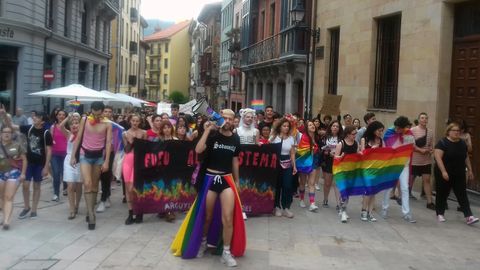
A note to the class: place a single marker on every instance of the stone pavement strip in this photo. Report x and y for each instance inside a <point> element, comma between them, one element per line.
<point>308,241</point>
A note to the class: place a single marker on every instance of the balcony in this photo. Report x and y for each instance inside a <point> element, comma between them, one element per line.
<point>152,82</point>
<point>133,47</point>
<point>133,15</point>
<point>154,68</point>
<point>287,44</point>
<point>109,8</point>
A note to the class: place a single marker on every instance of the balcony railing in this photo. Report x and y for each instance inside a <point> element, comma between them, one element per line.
<point>133,14</point>
<point>292,41</point>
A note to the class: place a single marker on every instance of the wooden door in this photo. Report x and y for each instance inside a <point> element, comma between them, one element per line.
<point>465,95</point>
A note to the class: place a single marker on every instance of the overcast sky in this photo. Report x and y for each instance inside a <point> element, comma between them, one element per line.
<point>172,10</point>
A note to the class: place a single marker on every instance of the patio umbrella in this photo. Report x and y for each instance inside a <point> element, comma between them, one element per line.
<point>75,91</point>
<point>134,101</point>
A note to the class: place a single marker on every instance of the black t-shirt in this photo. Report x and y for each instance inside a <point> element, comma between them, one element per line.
<point>454,155</point>
<point>221,150</point>
<point>266,124</point>
<point>36,141</point>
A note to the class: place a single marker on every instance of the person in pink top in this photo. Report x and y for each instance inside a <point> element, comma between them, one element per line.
<point>59,151</point>
<point>94,144</point>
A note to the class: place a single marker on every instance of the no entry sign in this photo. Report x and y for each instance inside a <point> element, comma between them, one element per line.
<point>48,75</point>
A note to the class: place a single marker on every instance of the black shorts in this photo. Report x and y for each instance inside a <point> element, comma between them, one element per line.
<point>327,164</point>
<point>421,170</point>
<point>219,183</point>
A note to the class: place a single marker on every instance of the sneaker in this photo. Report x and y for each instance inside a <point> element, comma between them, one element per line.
<point>364,216</point>
<point>119,183</point>
<point>302,204</point>
<point>108,203</point>
<point>203,248</point>
<point>312,207</point>
<point>409,219</point>
<point>371,218</point>
<point>431,206</point>
<point>33,215</point>
<point>244,216</point>
<point>101,207</point>
<point>317,187</point>
<point>55,198</point>
<point>278,212</point>
<point>384,213</point>
<point>24,213</point>
<point>412,197</point>
<point>399,201</point>
<point>325,204</point>
<point>471,220</point>
<point>65,193</point>
<point>287,213</point>
<point>441,218</point>
<point>228,259</point>
<point>338,210</point>
<point>343,217</point>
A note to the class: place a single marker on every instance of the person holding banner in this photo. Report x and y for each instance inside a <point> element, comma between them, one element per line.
<point>246,130</point>
<point>394,137</point>
<point>202,224</point>
<point>372,138</point>
<point>135,132</point>
<point>347,146</point>
<point>282,133</point>
<point>153,134</point>
<point>307,148</point>
<point>166,134</point>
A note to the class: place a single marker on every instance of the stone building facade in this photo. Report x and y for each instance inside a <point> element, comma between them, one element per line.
<point>68,37</point>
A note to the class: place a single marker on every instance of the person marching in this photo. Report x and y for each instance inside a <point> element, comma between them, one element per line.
<point>246,130</point>
<point>59,151</point>
<point>334,133</point>
<point>307,148</point>
<point>220,182</point>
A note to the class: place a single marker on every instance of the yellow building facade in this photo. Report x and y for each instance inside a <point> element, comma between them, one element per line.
<point>168,62</point>
<point>127,33</point>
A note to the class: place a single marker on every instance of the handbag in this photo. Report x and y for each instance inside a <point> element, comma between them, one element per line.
<point>285,164</point>
<point>422,141</point>
<point>92,154</point>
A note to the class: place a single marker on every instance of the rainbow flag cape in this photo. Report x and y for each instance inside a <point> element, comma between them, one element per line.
<point>390,136</point>
<point>304,155</point>
<point>375,170</point>
<point>189,237</point>
<point>117,141</point>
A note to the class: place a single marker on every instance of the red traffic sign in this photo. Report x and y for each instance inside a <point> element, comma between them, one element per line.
<point>49,75</point>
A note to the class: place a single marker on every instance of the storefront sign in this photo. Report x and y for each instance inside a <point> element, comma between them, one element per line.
<point>6,32</point>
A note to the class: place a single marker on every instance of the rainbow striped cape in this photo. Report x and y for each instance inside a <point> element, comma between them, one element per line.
<point>304,155</point>
<point>375,170</point>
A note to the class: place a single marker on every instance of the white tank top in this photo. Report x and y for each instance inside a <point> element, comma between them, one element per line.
<point>247,136</point>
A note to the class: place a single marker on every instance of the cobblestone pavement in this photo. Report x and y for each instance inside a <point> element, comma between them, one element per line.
<point>308,241</point>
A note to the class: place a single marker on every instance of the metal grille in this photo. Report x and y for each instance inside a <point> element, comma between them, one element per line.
<point>387,61</point>
<point>333,65</point>
<point>467,19</point>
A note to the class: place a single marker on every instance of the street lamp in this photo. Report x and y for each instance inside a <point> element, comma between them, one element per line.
<point>298,14</point>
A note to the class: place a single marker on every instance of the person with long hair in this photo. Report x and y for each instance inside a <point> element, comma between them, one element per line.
<point>185,133</point>
<point>59,151</point>
<point>282,133</point>
<point>346,146</point>
<point>135,132</point>
<point>246,129</point>
<point>265,131</point>
<point>13,166</point>
<point>333,136</point>
<point>166,134</point>
<point>198,131</point>
<point>372,138</point>
<point>451,159</point>
<point>155,122</point>
<point>307,148</point>
<point>71,175</point>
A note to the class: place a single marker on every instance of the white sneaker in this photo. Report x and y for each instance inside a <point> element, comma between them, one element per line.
<point>203,248</point>
<point>363,216</point>
<point>317,187</point>
<point>312,207</point>
<point>287,213</point>
<point>108,203</point>
<point>302,204</point>
<point>441,218</point>
<point>244,216</point>
<point>228,259</point>
<point>278,212</point>
<point>101,207</point>
<point>55,198</point>
<point>344,217</point>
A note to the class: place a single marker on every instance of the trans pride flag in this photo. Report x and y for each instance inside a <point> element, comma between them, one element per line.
<point>375,170</point>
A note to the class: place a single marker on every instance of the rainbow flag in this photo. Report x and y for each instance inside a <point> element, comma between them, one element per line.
<point>390,137</point>
<point>375,170</point>
<point>258,104</point>
<point>304,155</point>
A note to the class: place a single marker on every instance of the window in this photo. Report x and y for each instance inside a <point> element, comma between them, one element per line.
<point>95,77</point>
<point>103,78</point>
<point>97,32</point>
<point>272,18</point>
<point>68,18</point>
<point>121,32</point>
<point>50,21</point>
<point>106,31</point>
<point>84,36</point>
<point>387,61</point>
<point>262,24</point>
<point>82,72</point>
<point>64,71</point>
<point>333,64</point>
<point>165,78</point>
<point>166,47</point>
<point>165,63</point>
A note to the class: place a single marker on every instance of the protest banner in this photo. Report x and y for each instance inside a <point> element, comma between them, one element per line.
<point>163,172</point>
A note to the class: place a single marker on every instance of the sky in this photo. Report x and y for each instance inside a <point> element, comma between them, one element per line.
<point>172,10</point>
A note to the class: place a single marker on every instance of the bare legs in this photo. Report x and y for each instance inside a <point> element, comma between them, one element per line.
<point>227,200</point>
<point>74,196</point>
<point>7,193</point>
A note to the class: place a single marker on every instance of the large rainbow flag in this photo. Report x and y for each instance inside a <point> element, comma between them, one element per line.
<point>375,170</point>
<point>304,155</point>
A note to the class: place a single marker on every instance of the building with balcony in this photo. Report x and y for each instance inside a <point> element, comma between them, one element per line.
<point>127,34</point>
<point>274,52</point>
<point>168,62</point>
<point>70,38</point>
<point>402,58</point>
<point>230,76</point>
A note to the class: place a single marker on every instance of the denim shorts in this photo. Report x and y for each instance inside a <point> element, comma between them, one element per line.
<point>34,171</point>
<point>92,161</point>
<point>10,176</point>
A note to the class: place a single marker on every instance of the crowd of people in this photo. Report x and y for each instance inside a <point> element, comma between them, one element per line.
<point>80,151</point>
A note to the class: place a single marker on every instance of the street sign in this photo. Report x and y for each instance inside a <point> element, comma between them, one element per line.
<point>49,75</point>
